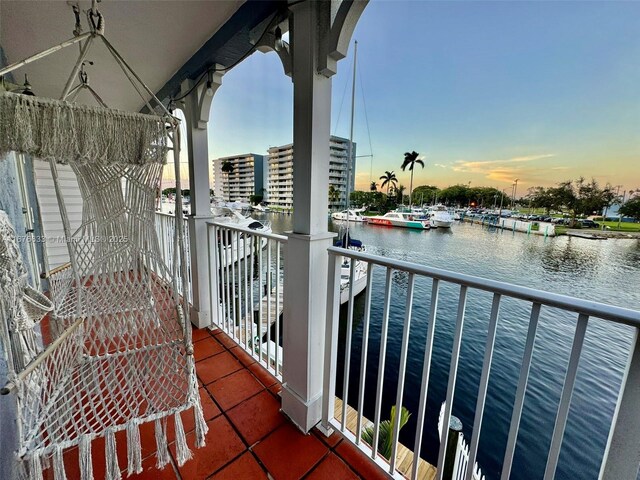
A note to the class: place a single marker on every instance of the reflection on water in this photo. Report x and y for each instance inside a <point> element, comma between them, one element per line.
<point>606,271</point>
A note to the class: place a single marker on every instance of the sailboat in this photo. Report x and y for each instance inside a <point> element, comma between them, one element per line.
<point>344,239</point>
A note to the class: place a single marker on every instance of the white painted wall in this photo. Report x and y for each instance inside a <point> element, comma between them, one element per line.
<point>55,249</point>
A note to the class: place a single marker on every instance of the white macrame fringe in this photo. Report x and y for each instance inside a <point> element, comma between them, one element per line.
<point>162,450</point>
<point>21,470</point>
<point>201,425</point>
<point>113,469</point>
<point>182,450</point>
<point>134,449</point>
<point>86,465</point>
<point>63,131</point>
<point>35,468</point>
<point>58,464</point>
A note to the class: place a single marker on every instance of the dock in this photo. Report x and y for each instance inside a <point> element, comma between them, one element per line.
<point>588,236</point>
<point>404,459</point>
<point>264,302</point>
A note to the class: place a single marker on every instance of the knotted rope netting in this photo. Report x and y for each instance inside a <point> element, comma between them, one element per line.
<point>121,352</point>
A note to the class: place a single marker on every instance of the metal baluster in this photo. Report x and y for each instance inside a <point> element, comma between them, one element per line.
<point>347,346</point>
<point>245,254</point>
<point>268,303</point>
<point>426,370</point>
<point>228,258</point>
<point>381,360</point>
<point>520,392</point>
<point>484,383</point>
<point>364,350</point>
<point>402,371</point>
<point>252,300</point>
<point>240,256</point>
<point>453,370</point>
<point>213,273</point>
<point>277,352</point>
<point>260,309</point>
<point>223,282</point>
<point>565,398</point>
<point>331,342</point>
<point>234,308</point>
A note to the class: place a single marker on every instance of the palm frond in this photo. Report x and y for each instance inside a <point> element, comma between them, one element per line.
<point>385,434</point>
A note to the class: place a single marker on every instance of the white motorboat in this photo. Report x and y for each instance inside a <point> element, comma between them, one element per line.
<point>401,219</point>
<point>352,215</point>
<point>360,279</point>
<point>359,274</point>
<point>260,208</point>
<point>440,216</point>
<point>234,245</point>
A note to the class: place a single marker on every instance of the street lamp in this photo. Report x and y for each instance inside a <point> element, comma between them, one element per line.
<point>515,190</point>
<point>501,199</point>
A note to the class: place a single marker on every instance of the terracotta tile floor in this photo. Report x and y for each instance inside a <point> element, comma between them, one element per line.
<point>249,438</point>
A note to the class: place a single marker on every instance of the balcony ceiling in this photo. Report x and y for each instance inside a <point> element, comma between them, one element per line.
<point>159,39</point>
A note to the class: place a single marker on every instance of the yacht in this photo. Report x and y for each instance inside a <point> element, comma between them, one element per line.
<point>260,208</point>
<point>352,215</point>
<point>401,219</point>
<point>360,273</point>
<point>440,216</point>
<point>234,248</point>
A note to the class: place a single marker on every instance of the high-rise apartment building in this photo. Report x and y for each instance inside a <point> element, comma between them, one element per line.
<point>280,178</point>
<point>237,178</point>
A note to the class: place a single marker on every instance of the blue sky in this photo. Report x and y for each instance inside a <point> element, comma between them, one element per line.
<point>487,91</point>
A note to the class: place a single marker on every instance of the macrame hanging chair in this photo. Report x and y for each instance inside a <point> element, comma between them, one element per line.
<point>121,352</point>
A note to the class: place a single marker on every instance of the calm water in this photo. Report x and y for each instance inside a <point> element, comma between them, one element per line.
<point>605,271</point>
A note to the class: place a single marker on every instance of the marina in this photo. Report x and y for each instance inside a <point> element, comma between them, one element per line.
<point>175,303</point>
<point>599,271</point>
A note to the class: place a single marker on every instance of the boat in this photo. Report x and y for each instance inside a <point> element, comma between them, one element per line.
<point>401,219</point>
<point>352,215</point>
<point>234,247</point>
<point>360,273</point>
<point>260,208</point>
<point>440,216</point>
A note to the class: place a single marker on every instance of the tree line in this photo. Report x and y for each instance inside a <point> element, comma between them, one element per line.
<point>582,197</point>
<point>572,197</point>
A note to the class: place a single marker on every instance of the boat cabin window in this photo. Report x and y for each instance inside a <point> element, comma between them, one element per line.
<point>255,225</point>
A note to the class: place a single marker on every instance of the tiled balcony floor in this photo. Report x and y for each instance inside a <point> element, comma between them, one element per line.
<point>248,436</point>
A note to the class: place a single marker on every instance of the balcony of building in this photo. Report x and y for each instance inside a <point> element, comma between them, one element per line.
<point>287,390</point>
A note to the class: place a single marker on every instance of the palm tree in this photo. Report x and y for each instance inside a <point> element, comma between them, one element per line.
<point>410,160</point>
<point>227,167</point>
<point>385,436</point>
<point>373,187</point>
<point>399,190</point>
<point>389,179</point>
<point>334,194</point>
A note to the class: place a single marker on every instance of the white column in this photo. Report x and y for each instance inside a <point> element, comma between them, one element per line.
<point>622,454</point>
<point>197,106</point>
<point>305,284</point>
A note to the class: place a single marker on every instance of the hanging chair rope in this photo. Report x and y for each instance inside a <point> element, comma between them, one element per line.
<point>125,354</point>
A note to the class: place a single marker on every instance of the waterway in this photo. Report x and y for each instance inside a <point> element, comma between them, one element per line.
<point>605,271</point>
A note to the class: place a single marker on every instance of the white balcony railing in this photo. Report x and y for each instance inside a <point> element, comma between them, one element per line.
<point>166,229</point>
<point>246,280</point>
<point>621,457</point>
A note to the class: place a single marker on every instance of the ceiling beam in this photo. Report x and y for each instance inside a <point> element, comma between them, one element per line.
<point>228,45</point>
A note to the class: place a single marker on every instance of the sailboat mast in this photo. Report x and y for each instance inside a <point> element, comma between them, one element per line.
<point>350,150</point>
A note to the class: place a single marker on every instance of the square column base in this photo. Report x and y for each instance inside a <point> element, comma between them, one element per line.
<point>305,293</point>
<point>200,306</point>
<point>304,414</point>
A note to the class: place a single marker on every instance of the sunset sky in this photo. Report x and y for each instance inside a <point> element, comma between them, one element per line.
<point>486,91</point>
